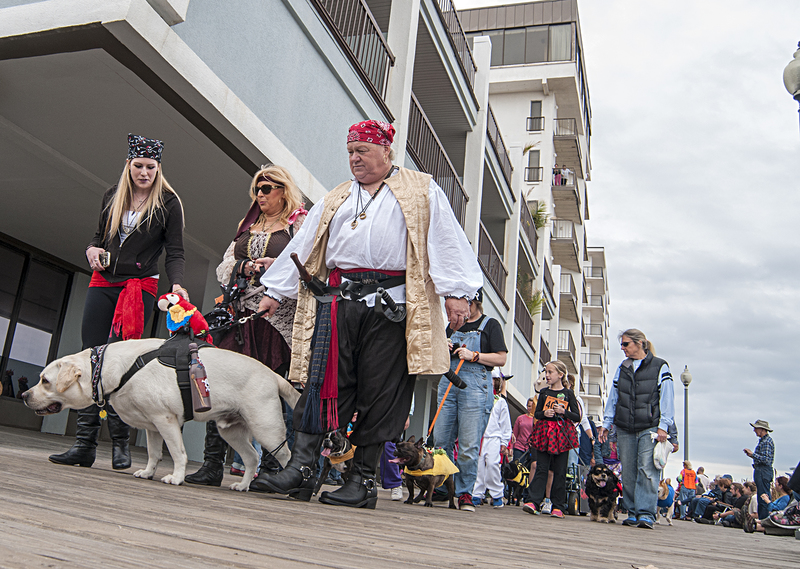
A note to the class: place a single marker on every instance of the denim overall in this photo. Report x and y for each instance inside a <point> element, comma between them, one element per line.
<point>465,414</point>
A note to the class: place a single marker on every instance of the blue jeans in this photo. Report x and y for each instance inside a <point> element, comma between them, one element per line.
<point>700,504</point>
<point>762,476</point>
<point>640,476</point>
<point>237,460</point>
<point>464,416</point>
<point>685,497</point>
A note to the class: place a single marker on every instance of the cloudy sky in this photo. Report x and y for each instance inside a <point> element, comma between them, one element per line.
<point>695,155</point>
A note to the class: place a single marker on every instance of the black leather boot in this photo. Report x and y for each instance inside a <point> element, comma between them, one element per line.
<point>298,479</point>
<point>120,434</point>
<point>359,491</point>
<point>269,464</point>
<point>83,451</point>
<point>210,474</point>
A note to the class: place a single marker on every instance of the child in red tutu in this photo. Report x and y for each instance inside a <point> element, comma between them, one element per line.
<point>553,436</point>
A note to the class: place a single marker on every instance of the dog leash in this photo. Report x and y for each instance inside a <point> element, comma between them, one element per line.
<point>447,391</point>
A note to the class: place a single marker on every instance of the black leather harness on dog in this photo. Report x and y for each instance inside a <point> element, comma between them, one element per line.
<point>173,353</point>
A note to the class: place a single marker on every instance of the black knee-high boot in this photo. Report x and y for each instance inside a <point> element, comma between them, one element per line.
<point>298,479</point>
<point>82,452</point>
<point>120,434</point>
<point>210,474</point>
<point>359,491</point>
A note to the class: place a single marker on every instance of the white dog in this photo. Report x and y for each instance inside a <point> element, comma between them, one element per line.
<point>244,401</point>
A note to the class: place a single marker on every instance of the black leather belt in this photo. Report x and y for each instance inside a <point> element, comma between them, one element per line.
<point>351,290</point>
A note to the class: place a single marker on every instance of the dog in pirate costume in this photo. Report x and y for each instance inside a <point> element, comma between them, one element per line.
<point>426,469</point>
<point>389,228</point>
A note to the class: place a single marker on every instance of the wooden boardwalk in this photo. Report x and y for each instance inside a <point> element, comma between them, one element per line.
<point>54,516</point>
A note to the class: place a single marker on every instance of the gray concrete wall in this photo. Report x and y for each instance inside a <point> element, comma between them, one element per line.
<point>281,61</point>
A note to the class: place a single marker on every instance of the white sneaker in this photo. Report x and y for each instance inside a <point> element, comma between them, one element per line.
<point>397,493</point>
<point>547,506</point>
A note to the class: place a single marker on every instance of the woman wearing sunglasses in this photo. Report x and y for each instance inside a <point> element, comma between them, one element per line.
<point>275,215</point>
<point>641,403</point>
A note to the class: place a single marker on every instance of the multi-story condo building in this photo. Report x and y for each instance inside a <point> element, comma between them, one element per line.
<point>232,85</point>
<point>539,96</point>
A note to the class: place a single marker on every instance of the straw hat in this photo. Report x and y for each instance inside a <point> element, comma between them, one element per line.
<point>761,425</point>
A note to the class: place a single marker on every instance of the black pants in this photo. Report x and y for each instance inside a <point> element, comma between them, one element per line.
<point>98,312</point>
<point>373,375</point>
<point>558,492</point>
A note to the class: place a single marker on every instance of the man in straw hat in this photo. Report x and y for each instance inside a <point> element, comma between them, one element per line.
<point>762,457</point>
<point>391,228</point>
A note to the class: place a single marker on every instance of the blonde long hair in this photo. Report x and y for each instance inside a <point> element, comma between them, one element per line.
<point>123,199</point>
<point>279,175</point>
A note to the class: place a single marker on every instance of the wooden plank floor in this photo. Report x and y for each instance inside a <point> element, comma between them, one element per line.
<point>56,516</point>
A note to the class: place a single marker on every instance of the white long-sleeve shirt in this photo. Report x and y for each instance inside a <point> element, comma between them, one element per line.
<point>379,242</point>
<point>499,425</point>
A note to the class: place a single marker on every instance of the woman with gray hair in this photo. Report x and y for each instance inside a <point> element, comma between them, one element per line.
<point>641,404</point>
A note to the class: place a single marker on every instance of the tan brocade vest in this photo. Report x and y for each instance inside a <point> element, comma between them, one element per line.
<point>425,331</point>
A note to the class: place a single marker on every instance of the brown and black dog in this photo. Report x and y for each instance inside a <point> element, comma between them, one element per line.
<point>335,446</point>
<point>602,489</point>
<point>413,455</point>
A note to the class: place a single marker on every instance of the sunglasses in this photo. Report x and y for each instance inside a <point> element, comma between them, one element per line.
<point>266,189</point>
<point>625,344</point>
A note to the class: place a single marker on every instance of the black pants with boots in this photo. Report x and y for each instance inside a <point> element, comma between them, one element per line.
<point>210,474</point>
<point>360,490</point>
<point>298,478</point>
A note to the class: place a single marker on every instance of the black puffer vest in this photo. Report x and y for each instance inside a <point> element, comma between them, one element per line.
<point>638,405</point>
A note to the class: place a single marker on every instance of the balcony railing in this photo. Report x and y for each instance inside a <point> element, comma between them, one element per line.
<point>528,226</point>
<point>595,300</point>
<point>594,389</point>
<point>548,279</point>
<point>492,263</point>
<point>566,343</point>
<point>568,288</point>
<point>523,319</point>
<point>563,229</point>
<point>544,352</point>
<point>566,127</point>
<point>358,34</point>
<point>593,329</point>
<point>533,174</point>
<point>429,154</point>
<point>499,147</point>
<point>535,124</point>
<point>593,272</point>
<point>592,359</point>
<point>457,38</point>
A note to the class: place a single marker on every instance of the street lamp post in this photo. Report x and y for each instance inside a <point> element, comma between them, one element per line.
<point>791,76</point>
<point>686,379</point>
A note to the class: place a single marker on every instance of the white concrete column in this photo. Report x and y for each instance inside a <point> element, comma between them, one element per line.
<point>402,40</point>
<point>511,254</point>
<point>475,151</point>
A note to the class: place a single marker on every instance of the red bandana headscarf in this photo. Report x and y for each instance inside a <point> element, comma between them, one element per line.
<point>375,132</point>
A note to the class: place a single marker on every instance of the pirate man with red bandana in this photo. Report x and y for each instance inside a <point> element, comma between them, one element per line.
<point>391,229</point>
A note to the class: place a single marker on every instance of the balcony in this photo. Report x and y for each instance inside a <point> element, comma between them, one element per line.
<point>592,360</point>
<point>594,390</point>
<point>352,25</point>
<point>594,272</point>
<point>529,227</point>
<point>533,174</point>
<point>595,302</point>
<point>568,201</point>
<point>568,305</point>
<point>429,154</point>
<point>458,39</point>
<point>496,139</point>
<point>566,350</point>
<point>567,145</point>
<point>593,330</point>
<point>564,245</point>
<point>534,124</point>
<point>544,352</point>
<point>523,319</point>
<point>548,301</point>
<point>492,263</point>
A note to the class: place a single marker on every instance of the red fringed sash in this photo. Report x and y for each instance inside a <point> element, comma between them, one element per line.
<point>129,312</point>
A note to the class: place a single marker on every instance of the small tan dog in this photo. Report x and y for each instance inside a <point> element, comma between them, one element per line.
<point>665,512</point>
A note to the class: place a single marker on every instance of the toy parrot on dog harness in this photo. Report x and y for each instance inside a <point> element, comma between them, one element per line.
<point>181,312</point>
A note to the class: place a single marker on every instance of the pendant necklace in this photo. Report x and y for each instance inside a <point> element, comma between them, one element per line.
<point>363,214</point>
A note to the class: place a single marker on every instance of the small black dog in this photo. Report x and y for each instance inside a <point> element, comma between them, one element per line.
<point>335,448</point>
<point>414,456</point>
<point>602,489</point>
<point>516,476</point>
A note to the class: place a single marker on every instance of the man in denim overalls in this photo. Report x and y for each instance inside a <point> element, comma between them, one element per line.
<point>465,412</point>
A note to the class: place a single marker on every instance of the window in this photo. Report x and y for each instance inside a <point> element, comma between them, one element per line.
<point>33,298</point>
<point>535,44</point>
<point>533,172</point>
<point>535,119</point>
